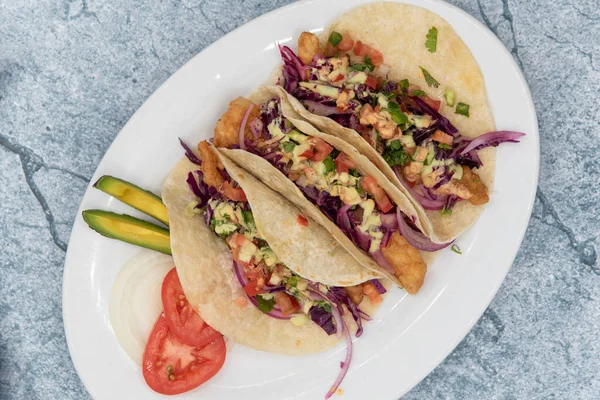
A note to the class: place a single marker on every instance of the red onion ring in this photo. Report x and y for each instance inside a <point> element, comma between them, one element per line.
<point>243,127</point>
<point>345,365</point>
<point>492,139</point>
<point>415,238</point>
<point>382,262</point>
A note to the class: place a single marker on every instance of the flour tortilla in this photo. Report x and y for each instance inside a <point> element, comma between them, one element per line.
<point>277,181</point>
<point>205,269</point>
<point>398,31</point>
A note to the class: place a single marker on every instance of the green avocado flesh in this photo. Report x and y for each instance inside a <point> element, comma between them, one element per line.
<point>138,198</point>
<point>129,229</point>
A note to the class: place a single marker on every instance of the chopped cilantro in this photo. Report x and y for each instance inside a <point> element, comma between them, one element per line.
<point>358,67</point>
<point>265,305</point>
<point>395,144</point>
<point>403,84</point>
<point>419,93</point>
<point>213,223</point>
<point>456,249</point>
<point>446,212</point>
<point>354,173</point>
<point>444,146</point>
<point>329,164</point>
<point>394,154</point>
<point>369,63</point>
<point>398,116</point>
<point>462,109</point>
<point>324,305</point>
<point>431,82</point>
<point>431,42</point>
<point>366,64</point>
<point>360,191</point>
<point>288,147</point>
<point>335,38</point>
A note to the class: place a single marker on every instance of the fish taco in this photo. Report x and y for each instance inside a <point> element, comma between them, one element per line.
<point>280,290</point>
<point>397,82</point>
<point>329,181</point>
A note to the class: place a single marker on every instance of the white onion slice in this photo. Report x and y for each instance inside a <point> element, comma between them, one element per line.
<point>135,300</point>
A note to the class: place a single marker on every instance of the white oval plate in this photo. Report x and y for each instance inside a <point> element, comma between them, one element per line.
<point>410,334</point>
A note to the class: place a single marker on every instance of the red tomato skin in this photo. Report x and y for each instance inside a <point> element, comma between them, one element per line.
<point>184,323</point>
<point>371,82</point>
<point>361,50</point>
<point>346,44</point>
<point>371,186</point>
<point>233,193</point>
<point>286,303</point>
<point>156,376</point>
<point>302,221</point>
<point>343,163</point>
<point>435,104</point>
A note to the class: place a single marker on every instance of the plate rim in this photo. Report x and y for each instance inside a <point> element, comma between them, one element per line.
<point>162,87</point>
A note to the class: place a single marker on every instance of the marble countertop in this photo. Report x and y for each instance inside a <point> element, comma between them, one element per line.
<point>72,73</point>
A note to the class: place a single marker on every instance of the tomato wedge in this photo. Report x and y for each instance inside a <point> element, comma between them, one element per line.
<point>171,367</point>
<point>361,50</point>
<point>233,193</point>
<point>372,187</point>
<point>286,303</point>
<point>343,163</point>
<point>183,321</point>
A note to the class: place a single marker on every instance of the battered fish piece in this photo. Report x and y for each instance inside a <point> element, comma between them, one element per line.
<point>355,293</point>
<point>210,165</point>
<point>473,183</point>
<point>309,46</point>
<point>228,127</point>
<point>470,187</point>
<point>407,262</point>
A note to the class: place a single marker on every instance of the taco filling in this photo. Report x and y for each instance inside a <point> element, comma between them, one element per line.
<point>269,285</point>
<point>330,179</point>
<point>346,81</point>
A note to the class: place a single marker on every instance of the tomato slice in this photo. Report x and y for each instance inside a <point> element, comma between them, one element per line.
<point>183,321</point>
<point>171,367</point>
<point>361,50</point>
<point>435,104</point>
<point>233,193</point>
<point>286,303</point>
<point>372,187</point>
<point>343,163</point>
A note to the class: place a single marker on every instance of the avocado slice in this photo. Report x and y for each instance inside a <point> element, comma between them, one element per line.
<point>129,229</point>
<point>138,198</point>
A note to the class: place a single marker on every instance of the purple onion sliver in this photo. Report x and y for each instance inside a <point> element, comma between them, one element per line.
<point>492,139</point>
<point>415,238</point>
<point>190,154</point>
<point>378,286</point>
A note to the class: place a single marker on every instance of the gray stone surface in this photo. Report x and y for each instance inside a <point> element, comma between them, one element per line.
<point>73,72</point>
